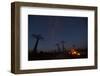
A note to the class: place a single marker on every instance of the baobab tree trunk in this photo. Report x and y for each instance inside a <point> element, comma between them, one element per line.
<point>35,47</point>
<point>58,47</point>
<point>37,37</point>
<point>63,47</point>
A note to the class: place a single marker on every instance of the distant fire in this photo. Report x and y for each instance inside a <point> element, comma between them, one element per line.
<point>74,52</point>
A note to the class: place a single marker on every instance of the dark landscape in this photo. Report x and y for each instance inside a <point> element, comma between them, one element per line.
<point>57,55</point>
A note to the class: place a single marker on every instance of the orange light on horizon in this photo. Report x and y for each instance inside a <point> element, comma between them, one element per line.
<point>78,54</point>
<point>74,52</point>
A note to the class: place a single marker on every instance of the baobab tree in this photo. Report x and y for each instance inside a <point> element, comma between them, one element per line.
<point>58,46</point>
<point>63,46</point>
<point>37,37</point>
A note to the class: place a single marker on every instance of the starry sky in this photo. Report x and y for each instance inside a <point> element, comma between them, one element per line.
<point>54,29</point>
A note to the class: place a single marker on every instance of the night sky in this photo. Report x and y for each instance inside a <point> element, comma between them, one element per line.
<point>54,29</point>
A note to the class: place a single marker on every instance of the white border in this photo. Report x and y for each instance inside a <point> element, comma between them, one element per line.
<point>25,64</point>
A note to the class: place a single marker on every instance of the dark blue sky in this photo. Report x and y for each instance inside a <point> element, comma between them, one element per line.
<point>54,29</point>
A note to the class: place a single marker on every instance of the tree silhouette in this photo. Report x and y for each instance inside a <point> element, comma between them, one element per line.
<point>63,46</point>
<point>37,37</point>
<point>58,46</point>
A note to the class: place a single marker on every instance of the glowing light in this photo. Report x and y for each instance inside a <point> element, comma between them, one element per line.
<point>78,54</point>
<point>74,52</point>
